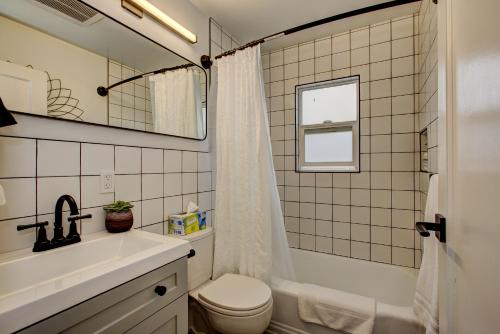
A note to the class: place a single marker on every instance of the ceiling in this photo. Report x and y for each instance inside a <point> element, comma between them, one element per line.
<point>248,20</point>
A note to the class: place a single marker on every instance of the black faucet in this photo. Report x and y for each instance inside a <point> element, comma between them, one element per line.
<point>59,239</point>
<point>58,228</point>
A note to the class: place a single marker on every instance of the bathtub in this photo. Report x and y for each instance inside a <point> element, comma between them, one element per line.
<point>391,286</point>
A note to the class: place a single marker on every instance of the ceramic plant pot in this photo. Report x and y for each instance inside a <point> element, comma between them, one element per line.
<point>117,222</point>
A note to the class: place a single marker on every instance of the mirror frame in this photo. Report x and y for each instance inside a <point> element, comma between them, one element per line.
<point>128,129</point>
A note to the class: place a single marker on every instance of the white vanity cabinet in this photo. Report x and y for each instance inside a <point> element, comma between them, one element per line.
<point>133,307</point>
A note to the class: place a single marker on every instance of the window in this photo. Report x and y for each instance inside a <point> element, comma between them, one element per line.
<point>327,127</point>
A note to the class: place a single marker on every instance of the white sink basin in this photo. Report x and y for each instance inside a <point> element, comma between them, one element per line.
<point>34,286</point>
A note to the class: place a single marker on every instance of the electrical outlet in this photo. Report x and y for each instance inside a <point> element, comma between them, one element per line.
<point>107,182</point>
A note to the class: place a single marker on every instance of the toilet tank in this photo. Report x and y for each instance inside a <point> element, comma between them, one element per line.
<point>200,265</point>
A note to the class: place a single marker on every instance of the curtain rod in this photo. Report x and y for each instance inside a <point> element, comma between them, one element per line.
<point>206,62</point>
<point>103,91</point>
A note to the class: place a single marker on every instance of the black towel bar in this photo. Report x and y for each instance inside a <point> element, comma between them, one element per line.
<point>439,227</point>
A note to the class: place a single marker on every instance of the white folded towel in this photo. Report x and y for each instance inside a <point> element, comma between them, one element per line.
<point>425,305</point>
<point>336,309</point>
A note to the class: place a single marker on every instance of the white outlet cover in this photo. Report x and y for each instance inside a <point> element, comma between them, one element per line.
<point>107,182</point>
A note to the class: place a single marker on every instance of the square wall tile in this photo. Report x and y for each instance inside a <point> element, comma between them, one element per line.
<point>380,33</point>
<point>307,210</point>
<point>172,184</point>
<point>341,247</point>
<point>152,211</point>
<point>360,215</point>
<point>189,183</point>
<point>360,250</point>
<point>205,201</point>
<point>152,160</point>
<point>127,187</point>
<point>324,245</point>
<point>58,158</point>
<point>204,182</point>
<point>403,256</point>
<point>341,213</point>
<point>127,160</point>
<point>18,157</point>
<point>341,43</point>
<point>360,232</point>
<point>189,162</point>
<point>381,253</point>
<point>51,188</point>
<point>307,194</point>
<point>11,239</point>
<point>172,161</point>
<point>307,242</point>
<point>360,38</point>
<point>97,158</point>
<point>381,235</point>
<point>20,195</point>
<point>324,228</point>
<point>152,186</point>
<point>324,211</point>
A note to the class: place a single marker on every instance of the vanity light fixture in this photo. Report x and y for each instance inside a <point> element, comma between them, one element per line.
<point>137,7</point>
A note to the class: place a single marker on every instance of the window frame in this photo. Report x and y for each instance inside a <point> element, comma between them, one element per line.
<point>301,165</point>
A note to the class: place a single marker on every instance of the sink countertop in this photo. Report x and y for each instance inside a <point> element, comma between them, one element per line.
<point>35,286</point>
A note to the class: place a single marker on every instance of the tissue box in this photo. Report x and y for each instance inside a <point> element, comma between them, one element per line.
<point>182,224</point>
<point>187,223</point>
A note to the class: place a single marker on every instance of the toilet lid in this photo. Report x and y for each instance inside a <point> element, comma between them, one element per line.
<point>236,292</point>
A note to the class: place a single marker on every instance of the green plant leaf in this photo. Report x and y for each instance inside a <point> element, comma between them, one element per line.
<point>118,206</point>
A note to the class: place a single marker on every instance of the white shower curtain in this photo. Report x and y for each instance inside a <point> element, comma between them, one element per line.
<point>176,103</point>
<point>250,237</point>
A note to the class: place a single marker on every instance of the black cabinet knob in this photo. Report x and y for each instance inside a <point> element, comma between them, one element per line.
<point>161,290</point>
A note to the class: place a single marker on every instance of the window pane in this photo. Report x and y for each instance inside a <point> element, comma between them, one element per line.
<point>335,146</point>
<point>336,104</point>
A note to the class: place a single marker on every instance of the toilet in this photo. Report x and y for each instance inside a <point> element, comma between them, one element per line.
<point>232,304</point>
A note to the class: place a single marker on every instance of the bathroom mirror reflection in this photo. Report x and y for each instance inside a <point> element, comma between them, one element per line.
<point>55,55</point>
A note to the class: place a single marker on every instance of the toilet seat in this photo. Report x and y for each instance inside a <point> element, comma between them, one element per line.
<point>236,295</point>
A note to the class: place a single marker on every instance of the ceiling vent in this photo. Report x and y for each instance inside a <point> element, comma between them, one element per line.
<point>74,9</point>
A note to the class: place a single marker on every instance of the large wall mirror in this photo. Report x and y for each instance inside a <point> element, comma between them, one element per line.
<point>55,54</point>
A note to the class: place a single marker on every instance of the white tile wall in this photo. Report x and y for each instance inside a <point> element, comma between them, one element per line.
<point>129,104</point>
<point>368,215</point>
<point>36,172</point>
<point>427,83</point>
<point>220,39</point>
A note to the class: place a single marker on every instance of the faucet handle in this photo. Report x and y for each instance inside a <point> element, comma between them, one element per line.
<point>78,217</point>
<point>73,233</point>
<point>41,243</point>
<point>27,226</point>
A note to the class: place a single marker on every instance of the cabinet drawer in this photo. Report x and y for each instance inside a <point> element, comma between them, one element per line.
<point>172,319</point>
<point>121,308</point>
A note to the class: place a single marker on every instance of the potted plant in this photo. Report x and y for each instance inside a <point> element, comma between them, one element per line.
<point>119,217</point>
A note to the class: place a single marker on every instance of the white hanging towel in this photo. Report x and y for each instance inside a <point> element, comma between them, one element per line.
<point>425,305</point>
<point>3,200</point>
<point>336,309</point>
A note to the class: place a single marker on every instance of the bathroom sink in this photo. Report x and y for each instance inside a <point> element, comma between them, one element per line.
<point>34,286</point>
